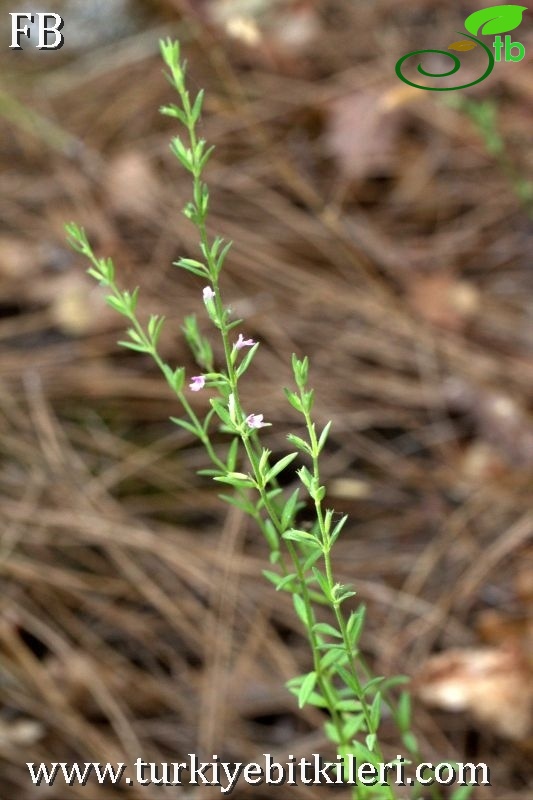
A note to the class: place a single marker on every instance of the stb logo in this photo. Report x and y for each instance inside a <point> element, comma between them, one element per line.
<point>487,21</point>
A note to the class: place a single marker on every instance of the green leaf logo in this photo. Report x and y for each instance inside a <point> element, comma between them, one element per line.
<point>496,19</point>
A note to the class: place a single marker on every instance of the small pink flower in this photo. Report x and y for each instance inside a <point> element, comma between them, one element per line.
<point>256,421</point>
<point>242,342</point>
<point>197,383</point>
<point>208,293</point>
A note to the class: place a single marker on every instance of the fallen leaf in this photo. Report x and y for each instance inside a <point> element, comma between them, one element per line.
<point>479,463</point>
<point>501,420</point>
<point>443,300</point>
<point>349,488</point>
<point>124,176</point>
<point>281,27</point>
<point>245,29</point>
<point>361,133</point>
<point>18,258</point>
<point>400,95</point>
<point>20,732</point>
<point>493,684</point>
<point>462,45</point>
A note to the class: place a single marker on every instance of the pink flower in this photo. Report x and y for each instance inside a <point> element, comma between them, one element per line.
<point>197,383</point>
<point>256,421</point>
<point>242,342</point>
<point>208,293</point>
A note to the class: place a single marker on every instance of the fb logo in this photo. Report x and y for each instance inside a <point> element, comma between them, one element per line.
<point>47,24</point>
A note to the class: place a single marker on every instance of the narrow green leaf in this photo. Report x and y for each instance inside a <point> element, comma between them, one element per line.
<point>334,655</point>
<point>300,608</point>
<point>293,399</point>
<point>353,725</point>
<point>140,348</point>
<point>324,436</point>
<point>322,582</point>
<point>375,712</point>
<point>273,577</point>
<point>363,753</point>
<point>221,411</point>
<point>187,426</point>
<point>300,369</point>
<point>289,510</point>
<point>135,337</point>
<point>203,161</point>
<point>155,327</point>
<point>345,596</point>
<point>247,360</point>
<point>306,688</point>
<point>293,684</point>
<point>117,304</point>
<point>94,273</point>
<point>175,378</point>
<point>231,458</point>
<point>286,581</point>
<point>222,257</point>
<point>337,529</point>
<point>316,699</point>
<point>77,238</point>
<point>209,473</point>
<point>355,626</point>
<point>263,460</point>
<point>308,400</point>
<point>301,444</point>
<point>271,534</point>
<point>280,466</point>
<point>238,502</point>
<point>172,110</point>
<point>237,479</point>
<point>312,558</point>
<point>196,110</point>
<point>305,477</point>
<point>348,705</point>
<point>327,629</point>
<point>191,265</point>
<point>410,742</point>
<point>462,792</point>
<point>294,535</point>
<point>129,300</point>
<point>350,681</point>
<point>182,153</point>
<point>331,732</point>
<point>403,713</point>
<point>371,685</point>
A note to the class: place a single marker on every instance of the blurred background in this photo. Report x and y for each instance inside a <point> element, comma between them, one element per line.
<point>382,230</point>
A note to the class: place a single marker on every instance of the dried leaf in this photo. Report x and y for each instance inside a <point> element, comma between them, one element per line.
<point>18,258</point>
<point>20,732</point>
<point>493,684</point>
<point>443,300</point>
<point>284,28</point>
<point>500,419</point>
<point>245,29</point>
<point>462,45</point>
<point>361,133</point>
<point>124,175</point>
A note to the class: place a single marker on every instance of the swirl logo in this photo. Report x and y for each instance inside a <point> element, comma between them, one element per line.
<point>487,21</point>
